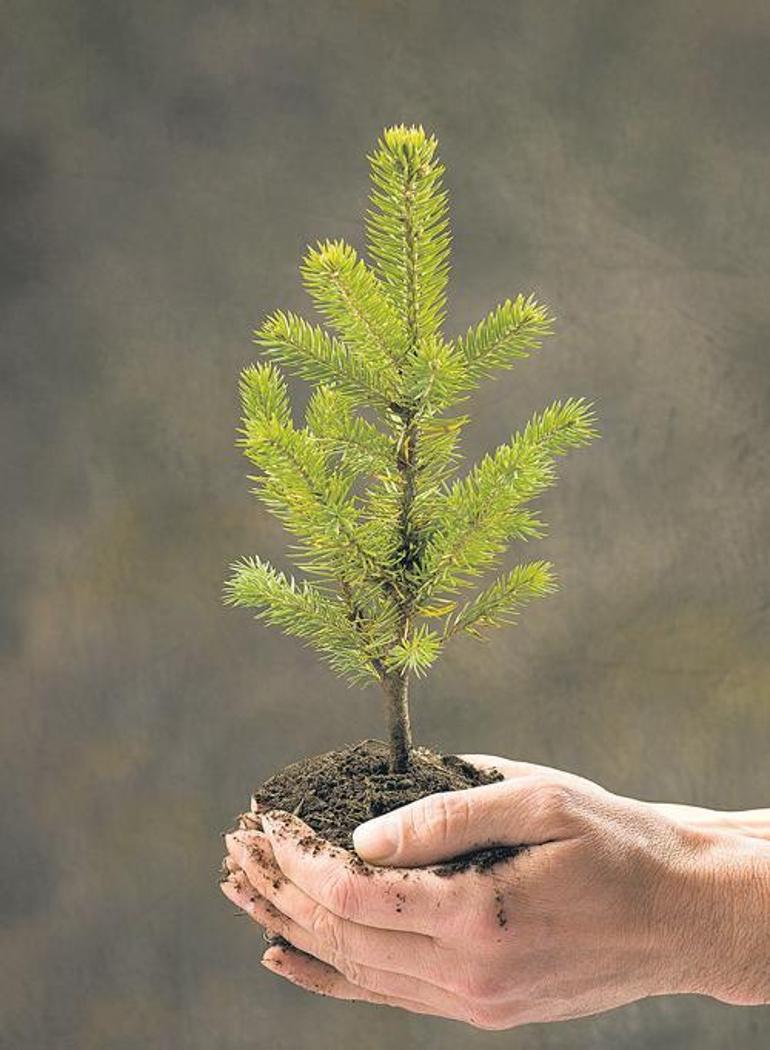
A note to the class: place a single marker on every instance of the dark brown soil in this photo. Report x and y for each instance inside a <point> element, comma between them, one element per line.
<point>336,791</point>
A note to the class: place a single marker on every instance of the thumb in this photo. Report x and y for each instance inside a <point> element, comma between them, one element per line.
<point>439,827</point>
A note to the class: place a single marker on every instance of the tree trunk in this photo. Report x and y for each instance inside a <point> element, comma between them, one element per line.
<point>399,729</point>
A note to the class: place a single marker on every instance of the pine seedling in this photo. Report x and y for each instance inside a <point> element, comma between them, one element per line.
<point>388,536</point>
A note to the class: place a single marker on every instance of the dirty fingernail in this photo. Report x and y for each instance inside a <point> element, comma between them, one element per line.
<point>235,893</point>
<point>248,822</point>
<point>271,821</point>
<point>238,846</point>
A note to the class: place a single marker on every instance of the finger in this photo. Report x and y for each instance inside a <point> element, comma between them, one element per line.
<point>438,998</point>
<point>524,811</point>
<point>386,975</point>
<point>249,821</point>
<point>507,766</point>
<point>253,852</point>
<point>318,977</point>
<point>416,901</point>
<point>511,768</point>
<point>399,951</point>
<point>240,892</point>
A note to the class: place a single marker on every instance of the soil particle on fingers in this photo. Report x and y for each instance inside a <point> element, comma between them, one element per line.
<point>249,822</point>
<point>478,860</point>
<point>336,791</point>
<point>261,854</point>
<point>502,918</point>
<point>275,940</point>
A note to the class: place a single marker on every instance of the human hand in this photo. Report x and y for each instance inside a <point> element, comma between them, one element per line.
<point>612,901</point>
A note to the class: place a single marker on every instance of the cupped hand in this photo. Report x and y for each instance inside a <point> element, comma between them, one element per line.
<point>611,901</point>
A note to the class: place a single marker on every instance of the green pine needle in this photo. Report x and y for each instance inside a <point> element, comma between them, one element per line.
<point>351,298</point>
<point>301,610</point>
<point>499,603</point>
<point>313,354</point>
<point>511,332</point>
<point>408,228</point>
<point>416,653</point>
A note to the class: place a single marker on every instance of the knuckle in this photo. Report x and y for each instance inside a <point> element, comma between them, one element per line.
<point>325,927</point>
<point>487,1018</point>
<point>557,798</point>
<point>371,980</point>
<point>439,816</point>
<point>266,913</point>
<point>481,986</point>
<point>351,972</point>
<point>339,892</point>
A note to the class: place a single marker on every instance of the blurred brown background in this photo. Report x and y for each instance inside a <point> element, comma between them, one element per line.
<point>163,166</point>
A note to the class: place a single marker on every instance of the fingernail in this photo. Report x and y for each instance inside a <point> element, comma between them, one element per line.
<point>273,965</point>
<point>275,821</point>
<point>236,894</point>
<point>376,840</point>
<point>249,822</point>
<point>234,844</point>
<point>232,865</point>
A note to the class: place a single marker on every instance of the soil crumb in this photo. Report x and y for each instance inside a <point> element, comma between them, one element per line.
<point>336,791</point>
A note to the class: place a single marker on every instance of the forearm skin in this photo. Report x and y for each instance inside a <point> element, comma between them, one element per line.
<point>723,933</point>
<point>754,823</point>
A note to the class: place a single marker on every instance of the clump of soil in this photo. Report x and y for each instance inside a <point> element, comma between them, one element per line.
<point>335,792</point>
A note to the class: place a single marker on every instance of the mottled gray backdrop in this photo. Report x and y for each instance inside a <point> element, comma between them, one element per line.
<point>163,166</point>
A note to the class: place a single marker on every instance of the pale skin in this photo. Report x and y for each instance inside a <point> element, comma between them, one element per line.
<point>613,900</point>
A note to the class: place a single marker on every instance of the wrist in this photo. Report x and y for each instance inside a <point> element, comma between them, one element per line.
<point>722,934</point>
<point>752,822</point>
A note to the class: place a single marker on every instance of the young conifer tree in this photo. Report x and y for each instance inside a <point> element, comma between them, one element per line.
<point>388,536</point>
